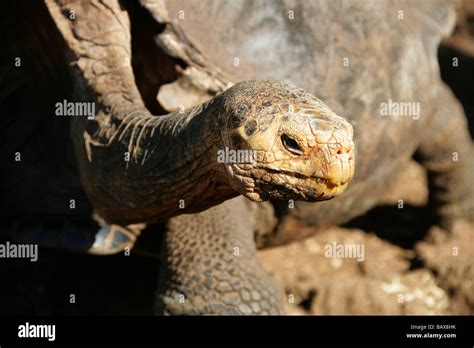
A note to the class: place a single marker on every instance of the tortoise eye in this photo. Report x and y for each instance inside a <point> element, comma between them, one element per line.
<point>291,144</point>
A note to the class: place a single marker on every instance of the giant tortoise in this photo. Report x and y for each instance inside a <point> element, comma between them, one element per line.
<point>223,74</point>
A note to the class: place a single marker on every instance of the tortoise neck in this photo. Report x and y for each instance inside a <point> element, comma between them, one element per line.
<point>169,165</point>
<point>135,167</point>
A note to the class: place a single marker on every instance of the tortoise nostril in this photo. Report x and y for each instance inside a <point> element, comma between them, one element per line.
<point>344,150</point>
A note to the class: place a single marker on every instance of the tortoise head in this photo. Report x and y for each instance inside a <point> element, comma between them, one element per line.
<point>283,143</point>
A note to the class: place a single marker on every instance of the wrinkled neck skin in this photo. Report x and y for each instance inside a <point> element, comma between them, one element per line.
<point>135,167</point>
<point>148,168</point>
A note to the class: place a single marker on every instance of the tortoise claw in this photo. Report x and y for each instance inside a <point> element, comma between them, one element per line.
<point>112,239</point>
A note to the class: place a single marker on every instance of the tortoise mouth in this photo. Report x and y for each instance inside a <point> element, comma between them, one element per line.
<point>333,188</point>
<point>323,181</point>
<point>283,186</point>
<point>315,189</point>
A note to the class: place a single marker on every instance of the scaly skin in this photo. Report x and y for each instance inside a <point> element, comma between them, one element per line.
<point>210,266</point>
<point>173,167</point>
<point>447,153</point>
<point>318,169</point>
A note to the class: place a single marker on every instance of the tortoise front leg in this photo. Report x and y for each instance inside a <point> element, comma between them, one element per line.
<point>210,266</point>
<point>447,154</point>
